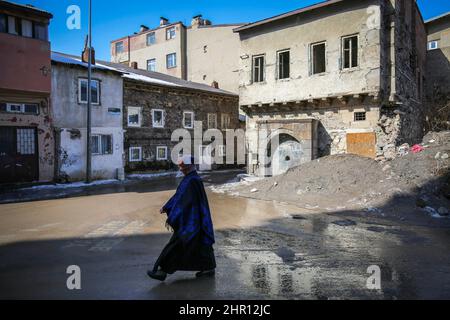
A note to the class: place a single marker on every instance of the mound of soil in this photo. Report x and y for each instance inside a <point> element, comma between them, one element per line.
<point>350,181</point>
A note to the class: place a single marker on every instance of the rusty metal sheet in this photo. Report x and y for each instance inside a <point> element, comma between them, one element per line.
<point>362,144</point>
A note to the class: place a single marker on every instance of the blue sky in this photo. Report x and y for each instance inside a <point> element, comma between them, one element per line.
<point>113,19</point>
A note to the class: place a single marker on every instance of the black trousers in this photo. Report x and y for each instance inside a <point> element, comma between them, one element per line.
<point>193,256</point>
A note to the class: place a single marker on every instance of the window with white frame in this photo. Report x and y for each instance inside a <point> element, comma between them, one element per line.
<point>258,68</point>
<point>318,59</point>
<point>151,38</point>
<point>119,47</point>
<point>134,116</point>
<point>101,144</point>
<point>158,118</point>
<point>151,65</point>
<point>83,93</point>
<point>283,59</point>
<point>188,119</point>
<point>31,108</point>
<point>433,45</point>
<point>349,52</point>
<point>171,60</point>
<point>161,153</point>
<point>212,121</point>
<point>170,33</point>
<point>225,120</point>
<point>135,154</point>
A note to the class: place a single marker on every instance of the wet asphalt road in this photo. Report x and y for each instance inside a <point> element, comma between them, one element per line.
<point>264,250</point>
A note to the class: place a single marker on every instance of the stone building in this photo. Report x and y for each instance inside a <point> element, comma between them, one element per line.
<point>69,112</point>
<point>26,137</point>
<point>155,105</point>
<point>335,77</point>
<point>438,72</point>
<point>202,52</point>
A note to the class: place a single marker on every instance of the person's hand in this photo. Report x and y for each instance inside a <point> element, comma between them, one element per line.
<point>161,211</point>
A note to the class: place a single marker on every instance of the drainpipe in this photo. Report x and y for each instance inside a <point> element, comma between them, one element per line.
<point>88,127</point>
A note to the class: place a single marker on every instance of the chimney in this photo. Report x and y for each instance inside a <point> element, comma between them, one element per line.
<point>197,21</point>
<point>143,28</point>
<point>215,84</point>
<point>163,21</point>
<point>134,65</point>
<point>85,53</point>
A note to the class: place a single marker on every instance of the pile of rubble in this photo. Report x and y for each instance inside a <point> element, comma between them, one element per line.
<point>418,176</point>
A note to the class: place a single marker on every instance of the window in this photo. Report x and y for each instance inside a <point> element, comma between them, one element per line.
<point>350,52</point>
<point>134,117</point>
<point>170,33</point>
<point>151,65</point>
<point>433,45</point>
<point>101,144</point>
<point>258,68</point>
<point>27,28</point>
<point>19,108</point>
<point>83,94</point>
<point>119,47</point>
<point>135,154</point>
<point>188,119</point>
<point>3,23</point>
<point>283,64</point>
<point>161,153</point>
<point>151,38</point>
<point>13,25</point>
<point>225,120</point>
<point>171,60</point>
<point>360,116</point>
<point>40,31</point>
<point>158,118</point>
<point>212,121</point>
<point>26,141</point>
<point>318,58</point>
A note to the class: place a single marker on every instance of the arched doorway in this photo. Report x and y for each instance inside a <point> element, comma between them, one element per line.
<point>288,153</point>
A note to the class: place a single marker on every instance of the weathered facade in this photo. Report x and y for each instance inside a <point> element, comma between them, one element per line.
<point>354,67</point>
<point>202,52</point>
<point>69,112</point>
<point>155,105</point>
<point>26,137</point>
<point>438,73</point>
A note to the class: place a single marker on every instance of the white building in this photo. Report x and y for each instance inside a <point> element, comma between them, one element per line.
<point>69,115</point>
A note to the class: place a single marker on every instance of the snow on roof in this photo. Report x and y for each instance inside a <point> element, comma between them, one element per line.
<point>139,75</point>
<point>67,59</point>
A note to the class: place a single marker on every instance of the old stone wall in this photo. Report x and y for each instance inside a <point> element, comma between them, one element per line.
<point>173,102</point>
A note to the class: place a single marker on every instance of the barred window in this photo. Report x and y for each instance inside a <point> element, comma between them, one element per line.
<point>360,116</point>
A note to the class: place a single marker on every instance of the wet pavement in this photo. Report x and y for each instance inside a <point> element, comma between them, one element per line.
<point>264,250</point>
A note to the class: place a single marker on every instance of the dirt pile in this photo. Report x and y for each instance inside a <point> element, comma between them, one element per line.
<point>350,181</point>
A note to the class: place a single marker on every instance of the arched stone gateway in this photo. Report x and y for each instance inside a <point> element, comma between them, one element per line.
<point>284,144</point>
<point>288,154</point>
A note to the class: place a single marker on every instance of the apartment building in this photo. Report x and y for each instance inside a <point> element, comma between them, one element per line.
<point>335,77</point>
<point>26,136</point>
<point>202,52</point>
<point>438,73</point>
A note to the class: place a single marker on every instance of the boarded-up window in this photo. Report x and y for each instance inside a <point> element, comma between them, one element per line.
<point>318,64</point>
<point>362,144</point>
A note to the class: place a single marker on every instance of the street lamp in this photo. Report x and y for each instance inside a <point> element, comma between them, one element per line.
<point>88,126</point>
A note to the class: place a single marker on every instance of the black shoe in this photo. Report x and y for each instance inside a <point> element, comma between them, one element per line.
<point>158,275</point>
<point>206,273</point>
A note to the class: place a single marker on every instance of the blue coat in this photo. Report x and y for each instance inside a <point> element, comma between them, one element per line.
<point>188,210</point>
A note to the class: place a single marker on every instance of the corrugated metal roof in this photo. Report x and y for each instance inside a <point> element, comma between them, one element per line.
<point>151,77</point>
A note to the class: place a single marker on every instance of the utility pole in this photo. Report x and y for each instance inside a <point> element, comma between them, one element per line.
<point>89,91</point>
